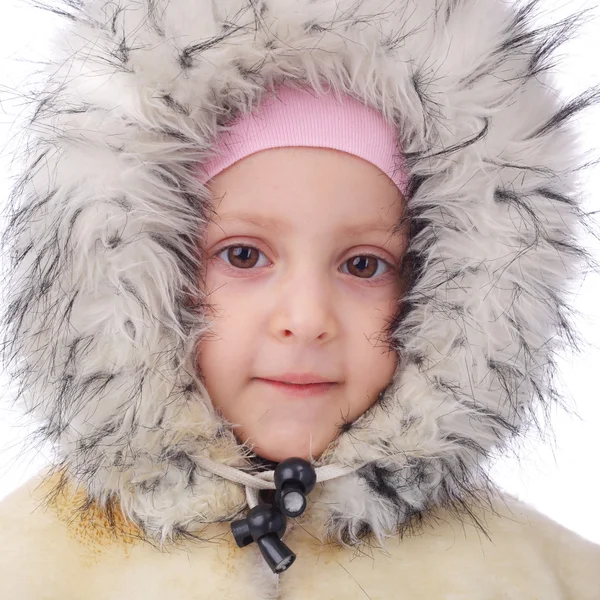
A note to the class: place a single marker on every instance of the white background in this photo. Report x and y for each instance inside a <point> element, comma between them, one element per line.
<point>557,475</point>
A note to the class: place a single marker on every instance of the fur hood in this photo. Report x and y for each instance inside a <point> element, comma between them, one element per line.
<point>100,244</point>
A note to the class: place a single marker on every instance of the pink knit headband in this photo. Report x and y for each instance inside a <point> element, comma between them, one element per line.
<point>294,117</point>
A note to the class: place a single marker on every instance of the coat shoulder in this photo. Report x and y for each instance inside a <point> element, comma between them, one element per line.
<point>31,537</point>
<point>572,559</point>
<point>510,541</point>
<point>56,545</point>
<point>506,549</point>
<point>46,541</point>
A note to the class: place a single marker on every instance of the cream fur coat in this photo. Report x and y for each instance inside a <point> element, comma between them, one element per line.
<point>51,552</point>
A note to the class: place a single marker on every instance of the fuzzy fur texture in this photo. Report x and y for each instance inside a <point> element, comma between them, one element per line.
<point>100,256</point>
<point>74,557</point>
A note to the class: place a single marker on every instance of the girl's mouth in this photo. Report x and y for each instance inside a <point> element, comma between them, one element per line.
<point>302,390</point>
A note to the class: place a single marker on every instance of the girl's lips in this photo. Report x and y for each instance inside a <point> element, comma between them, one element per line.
<point>301,390</point>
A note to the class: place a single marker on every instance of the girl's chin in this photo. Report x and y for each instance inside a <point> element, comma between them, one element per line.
<point>280,454</point>
<point>278,449</point>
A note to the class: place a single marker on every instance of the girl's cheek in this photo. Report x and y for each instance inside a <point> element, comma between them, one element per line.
<point>214,277</point>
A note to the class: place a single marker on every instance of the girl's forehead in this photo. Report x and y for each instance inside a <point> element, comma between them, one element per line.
<point>286,179</point>
<point>377,222</point>
<point>285,224</point>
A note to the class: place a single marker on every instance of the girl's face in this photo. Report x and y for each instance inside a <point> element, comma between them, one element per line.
<point>301,278</point>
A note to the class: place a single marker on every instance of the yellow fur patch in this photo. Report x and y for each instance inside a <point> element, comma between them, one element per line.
<point>93,527</point>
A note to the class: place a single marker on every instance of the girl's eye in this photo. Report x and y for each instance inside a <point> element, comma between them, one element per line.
<point>364,266</point>
<point>241,257</point>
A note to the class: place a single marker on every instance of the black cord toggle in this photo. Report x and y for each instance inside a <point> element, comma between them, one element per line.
<point>265,524</point>
<point>294,478</point>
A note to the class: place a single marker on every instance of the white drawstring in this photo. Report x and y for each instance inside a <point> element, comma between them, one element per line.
<point>265,480</point>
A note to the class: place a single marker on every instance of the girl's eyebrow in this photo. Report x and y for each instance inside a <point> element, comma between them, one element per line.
<point>271,223</point>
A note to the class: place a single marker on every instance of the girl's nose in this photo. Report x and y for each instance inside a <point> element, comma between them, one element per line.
<point>305,309</point>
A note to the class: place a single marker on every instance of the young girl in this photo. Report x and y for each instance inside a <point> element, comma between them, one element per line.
<point>284,277</point>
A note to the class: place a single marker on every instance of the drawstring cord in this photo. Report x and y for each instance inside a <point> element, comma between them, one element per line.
<point>293,479</point>
<point>264,480</point>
